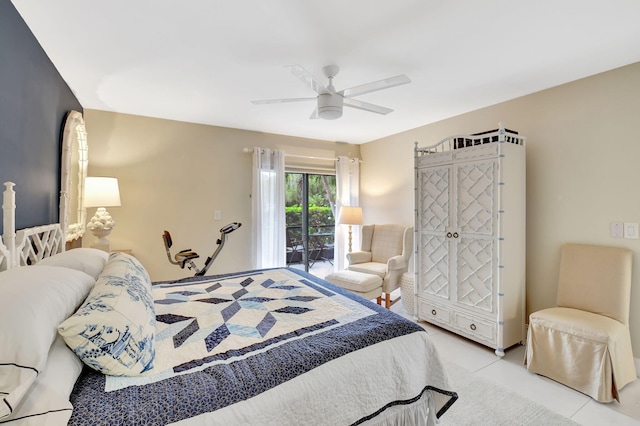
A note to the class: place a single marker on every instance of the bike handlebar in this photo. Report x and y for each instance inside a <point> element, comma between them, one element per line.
<point>227,229</point>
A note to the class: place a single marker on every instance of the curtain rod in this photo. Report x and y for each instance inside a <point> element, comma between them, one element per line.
<point>246,150</point>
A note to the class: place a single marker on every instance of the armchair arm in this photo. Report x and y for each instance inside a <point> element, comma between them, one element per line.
<point>396,263</point>
<point>358,257</point>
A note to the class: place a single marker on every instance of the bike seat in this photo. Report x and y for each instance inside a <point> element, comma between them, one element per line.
<point>186,255</point>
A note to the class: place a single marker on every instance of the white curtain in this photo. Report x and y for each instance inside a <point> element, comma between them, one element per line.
<point>267,209</point>
<point>347,194</point>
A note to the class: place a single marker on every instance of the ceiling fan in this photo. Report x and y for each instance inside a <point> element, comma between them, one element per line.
<point>329,101</point>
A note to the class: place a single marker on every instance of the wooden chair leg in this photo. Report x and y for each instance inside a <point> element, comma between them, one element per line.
<point>379,300</point>
<point>388,302</point>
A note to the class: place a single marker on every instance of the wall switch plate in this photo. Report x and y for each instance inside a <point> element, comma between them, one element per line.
<point>631,230</point>
<point>617,230</point>
<point>217,215</point>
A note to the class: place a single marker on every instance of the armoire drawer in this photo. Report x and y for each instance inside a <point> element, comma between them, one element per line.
<point>430,311</point>
<point>482,329</point>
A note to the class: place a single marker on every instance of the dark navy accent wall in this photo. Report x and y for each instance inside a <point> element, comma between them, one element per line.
<point>34,100</point>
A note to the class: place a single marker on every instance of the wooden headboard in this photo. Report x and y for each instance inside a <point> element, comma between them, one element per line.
<point>26,246</point>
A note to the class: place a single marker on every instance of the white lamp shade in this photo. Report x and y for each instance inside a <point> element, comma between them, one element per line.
<point>101,192</point>
<point>350,215</point>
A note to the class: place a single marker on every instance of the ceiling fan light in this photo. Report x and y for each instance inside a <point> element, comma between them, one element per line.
<point>329,106</point>
<point>329,112</point>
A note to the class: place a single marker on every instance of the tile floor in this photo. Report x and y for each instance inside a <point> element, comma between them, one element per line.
<point>320,268</point>
<point>510,373</point>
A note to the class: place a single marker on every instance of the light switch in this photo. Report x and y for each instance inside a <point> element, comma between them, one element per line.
<point>617,230</point>
<point>631,230</point>
<point>217,214</point>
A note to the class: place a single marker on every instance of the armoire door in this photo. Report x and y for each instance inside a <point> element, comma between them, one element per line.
<point>435,220</point>
<point>475,222</point>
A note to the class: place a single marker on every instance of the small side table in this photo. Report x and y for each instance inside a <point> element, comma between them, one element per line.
<point>407,289</point>
<point>127,251</point>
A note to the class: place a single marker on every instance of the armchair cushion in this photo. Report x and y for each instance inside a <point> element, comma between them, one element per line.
<point>374,268</point>
<point>386,242</point>
<point>359,257</point>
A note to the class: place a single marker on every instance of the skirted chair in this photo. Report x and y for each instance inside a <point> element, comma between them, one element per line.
<point>385,252</point>
<point>584,342</point>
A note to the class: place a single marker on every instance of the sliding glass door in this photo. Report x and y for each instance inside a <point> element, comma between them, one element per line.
<point>310,221</point>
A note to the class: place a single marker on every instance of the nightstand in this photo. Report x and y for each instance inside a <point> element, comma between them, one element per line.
<point>127,251</point>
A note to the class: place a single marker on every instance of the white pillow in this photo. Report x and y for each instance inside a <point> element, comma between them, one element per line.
<point>113,332</point>
<point>47,400</point>
<point>33,301</point>
<point>85,259</point>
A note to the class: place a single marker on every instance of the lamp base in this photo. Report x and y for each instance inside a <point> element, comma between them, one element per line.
<point>349,238</point>
<point>102,244</point>
<point>101,225</point>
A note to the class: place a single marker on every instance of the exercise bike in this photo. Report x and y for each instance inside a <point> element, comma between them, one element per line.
<point>186,257</point>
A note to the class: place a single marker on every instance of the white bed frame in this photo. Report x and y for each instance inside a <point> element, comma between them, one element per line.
<point>26,246</point>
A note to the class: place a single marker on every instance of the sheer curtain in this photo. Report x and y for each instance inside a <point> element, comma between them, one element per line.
<point>267,209</point>
<point>347,194</point>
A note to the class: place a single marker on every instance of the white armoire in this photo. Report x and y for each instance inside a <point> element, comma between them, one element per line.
<point>470,236</point>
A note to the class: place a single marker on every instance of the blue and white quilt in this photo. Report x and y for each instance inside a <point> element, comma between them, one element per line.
<point>224,340</point>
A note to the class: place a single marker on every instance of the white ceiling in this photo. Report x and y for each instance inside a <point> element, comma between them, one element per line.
<point>204,61</point>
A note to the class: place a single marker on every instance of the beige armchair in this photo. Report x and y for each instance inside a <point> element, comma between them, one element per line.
<point>584,342</point>
<point>385,252</point>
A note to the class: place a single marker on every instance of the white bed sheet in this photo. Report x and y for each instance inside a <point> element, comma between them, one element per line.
<point>408,362</point>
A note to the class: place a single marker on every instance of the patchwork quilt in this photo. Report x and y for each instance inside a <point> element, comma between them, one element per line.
<point>226,339</point>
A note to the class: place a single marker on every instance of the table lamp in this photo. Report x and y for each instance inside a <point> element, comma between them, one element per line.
<point>350,215</point>
<point>101,192</point>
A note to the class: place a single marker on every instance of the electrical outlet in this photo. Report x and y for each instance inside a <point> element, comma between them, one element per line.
<point>631,230</point>
<point>217,215</point>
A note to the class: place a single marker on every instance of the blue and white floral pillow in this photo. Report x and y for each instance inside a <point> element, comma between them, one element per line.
<point>113,331</point>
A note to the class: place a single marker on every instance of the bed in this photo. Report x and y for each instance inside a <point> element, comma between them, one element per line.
<point>88,339</point>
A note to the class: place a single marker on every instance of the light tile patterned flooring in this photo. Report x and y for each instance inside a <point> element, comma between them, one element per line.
<point>510,373</point>
<point>320,268</point>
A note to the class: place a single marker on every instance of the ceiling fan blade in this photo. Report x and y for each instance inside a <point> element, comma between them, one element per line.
<point>314,114</point>
<point>280,101</point>
<point>376,85</point>
<point>308,79</point>
<point>366,106</point>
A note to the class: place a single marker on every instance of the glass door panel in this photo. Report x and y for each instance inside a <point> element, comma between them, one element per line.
<point>310,221</point>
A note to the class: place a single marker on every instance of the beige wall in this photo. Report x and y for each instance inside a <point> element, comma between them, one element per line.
<point>174,175</point>
<point>583,145</point>
<point>583,171</point>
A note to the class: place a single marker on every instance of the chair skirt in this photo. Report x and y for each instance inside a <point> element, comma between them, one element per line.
<point>588,352</point>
